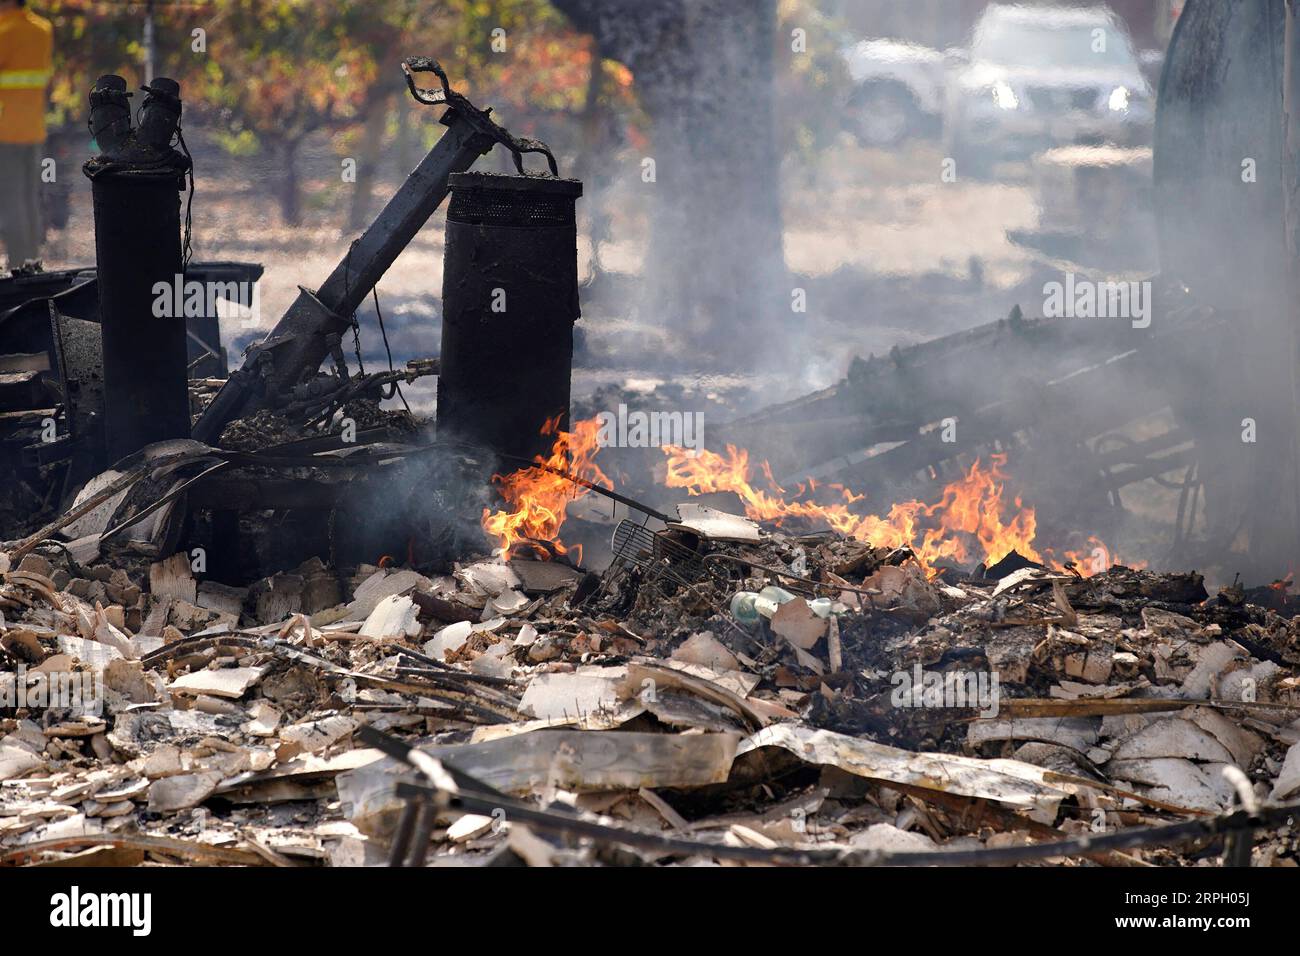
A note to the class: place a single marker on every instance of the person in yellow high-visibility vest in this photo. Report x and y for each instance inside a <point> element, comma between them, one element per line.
<point>26,61</point>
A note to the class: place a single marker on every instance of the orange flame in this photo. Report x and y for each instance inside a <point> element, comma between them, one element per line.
<point>971,519</point>
<point>538,498</point>
<point>970,508</point>
<point>1097,558</point>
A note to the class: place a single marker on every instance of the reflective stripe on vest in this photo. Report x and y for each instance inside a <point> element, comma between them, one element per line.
<point>24,79</point>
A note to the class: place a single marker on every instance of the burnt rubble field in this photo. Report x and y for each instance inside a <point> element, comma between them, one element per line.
<point>725,692</point>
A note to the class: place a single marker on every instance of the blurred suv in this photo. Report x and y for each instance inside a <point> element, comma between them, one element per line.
<point>898,91</point>
<point>1043,76</point>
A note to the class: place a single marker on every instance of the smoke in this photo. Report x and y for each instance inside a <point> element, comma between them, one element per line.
<point>785,197</point>
<point>1219,194</point>
<point>779,202</point>
<point>423,509</point>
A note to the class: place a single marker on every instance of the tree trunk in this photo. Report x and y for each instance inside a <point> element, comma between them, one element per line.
<point>591,166</point>
<point>703,70</point>
<point>1222,189</point>
<point>289,193</point>
<point>405,151</point>
<point>372,137</point>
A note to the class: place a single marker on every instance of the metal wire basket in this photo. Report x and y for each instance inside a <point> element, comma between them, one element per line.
<point>665,564</point>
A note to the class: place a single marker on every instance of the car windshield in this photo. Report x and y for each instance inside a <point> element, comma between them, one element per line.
<point>1047,44</point>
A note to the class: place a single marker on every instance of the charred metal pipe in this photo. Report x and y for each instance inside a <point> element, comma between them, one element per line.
<point>136,182</point>
<point>510,298</point>
<point>161,116</point>
<point>110,114</point>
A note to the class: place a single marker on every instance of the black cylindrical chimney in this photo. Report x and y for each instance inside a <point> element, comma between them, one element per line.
<point>509,298</point>
<point>135,183</point>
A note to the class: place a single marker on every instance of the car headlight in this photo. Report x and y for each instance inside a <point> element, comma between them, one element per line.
<point>1119,99</point>
<point>1005,96</point>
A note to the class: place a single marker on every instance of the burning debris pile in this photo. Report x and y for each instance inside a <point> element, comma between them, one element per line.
<point>727,691</point>
<point>291,628</point>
